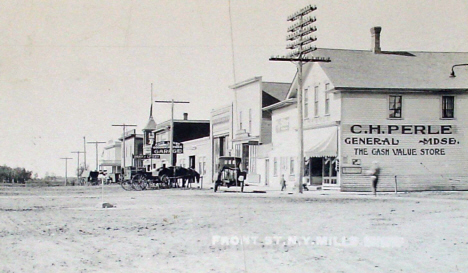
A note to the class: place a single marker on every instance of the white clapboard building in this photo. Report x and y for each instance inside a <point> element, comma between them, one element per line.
<point>401,109</point>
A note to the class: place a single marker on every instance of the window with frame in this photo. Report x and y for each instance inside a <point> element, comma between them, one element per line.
<point>306,103</point>
<point>327,103</point>
<point>448,106</point>
<point>291,166</point>
<point>240,120</point>
<point>394,106</point>
<point>316,101</point>
<point>238,150</point>
<point>250,120</point>
<point>275,166</point>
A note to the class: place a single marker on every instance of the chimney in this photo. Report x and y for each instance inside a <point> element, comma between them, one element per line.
<point>375,31</point>
<point>185,116</point>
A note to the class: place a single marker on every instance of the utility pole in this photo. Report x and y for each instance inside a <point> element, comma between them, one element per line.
<point>123,144</point>
<point>78,169</point>
<point>300,39</point>
<point>172,126</point>
<point>97,143</point>
<point>66,165</point>
<point>84,147</point>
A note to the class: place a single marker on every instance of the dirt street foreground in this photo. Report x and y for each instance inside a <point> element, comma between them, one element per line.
<point>63,229</point>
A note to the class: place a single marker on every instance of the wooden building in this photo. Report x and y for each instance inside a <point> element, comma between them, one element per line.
<point>401,109</point>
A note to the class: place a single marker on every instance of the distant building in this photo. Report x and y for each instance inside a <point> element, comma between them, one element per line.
<point>183,130</point>
<point>133,150</point>
<point>244,130</point>
<point>197,156</point>
<point>221,123</point>
<point>111,157</point>
<point>400,109</point>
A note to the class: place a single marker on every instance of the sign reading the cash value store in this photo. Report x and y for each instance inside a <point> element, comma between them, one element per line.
<point>400,140</point>
<point>163,147</point>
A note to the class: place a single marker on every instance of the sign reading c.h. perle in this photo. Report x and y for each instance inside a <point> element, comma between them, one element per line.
<point>400,140</point>
<point>402,129</point>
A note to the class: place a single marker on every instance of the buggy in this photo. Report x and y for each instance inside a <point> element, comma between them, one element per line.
<point>89,178</point>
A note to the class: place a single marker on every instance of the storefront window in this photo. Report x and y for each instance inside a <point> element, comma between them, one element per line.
<point>316,166</point>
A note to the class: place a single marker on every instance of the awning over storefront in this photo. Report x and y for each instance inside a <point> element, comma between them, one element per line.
<point>322,142</point>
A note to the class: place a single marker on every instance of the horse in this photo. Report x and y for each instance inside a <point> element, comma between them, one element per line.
<point>187,175</point>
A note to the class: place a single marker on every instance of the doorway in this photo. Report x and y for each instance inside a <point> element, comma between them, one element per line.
<point>192,162</point>
<point>330,171</point>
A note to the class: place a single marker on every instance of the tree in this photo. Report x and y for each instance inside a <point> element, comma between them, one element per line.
<point>5,173</point>
<point>11,175</point>
<point>21,175</point>
<point>82,169</point>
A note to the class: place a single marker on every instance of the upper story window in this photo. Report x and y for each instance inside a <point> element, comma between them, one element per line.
<point>240,120</point>
<point>327,103</point>
<point>306,103</point>
<point>250,120</point>
<point>316,101</point>
<point>394,106</point>
<point>448,106</point>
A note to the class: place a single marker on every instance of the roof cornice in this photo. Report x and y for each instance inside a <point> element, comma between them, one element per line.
<point>248,81</point>
<point>280,104</point>
<point>402,90</point>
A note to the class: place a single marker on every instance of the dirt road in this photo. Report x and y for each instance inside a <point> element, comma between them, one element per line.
<point>63,229</point>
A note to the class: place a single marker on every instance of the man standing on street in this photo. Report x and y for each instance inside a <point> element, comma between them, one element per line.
<point>283,183</point>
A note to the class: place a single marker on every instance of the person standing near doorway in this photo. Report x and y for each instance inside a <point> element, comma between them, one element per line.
<point>374,172</point>
<point>283,182</point>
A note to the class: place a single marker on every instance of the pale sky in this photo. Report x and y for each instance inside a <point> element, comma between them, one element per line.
<point>70,69</point>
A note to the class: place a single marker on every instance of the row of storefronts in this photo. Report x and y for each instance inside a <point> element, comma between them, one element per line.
<point>399,109</point>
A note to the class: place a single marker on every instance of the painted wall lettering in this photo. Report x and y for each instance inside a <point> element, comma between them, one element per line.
<point>402,129</point>
<point>399,151</point>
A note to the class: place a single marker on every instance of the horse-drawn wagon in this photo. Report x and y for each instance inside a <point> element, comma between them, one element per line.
<point>171,177</point>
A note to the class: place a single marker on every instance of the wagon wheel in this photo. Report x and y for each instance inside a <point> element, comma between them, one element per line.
<point>126,185</point>
<point>82,182</point>
<point>139,182</point>
<point>165,181</point>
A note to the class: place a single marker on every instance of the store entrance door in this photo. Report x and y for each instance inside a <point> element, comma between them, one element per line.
<point>330,179</point>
